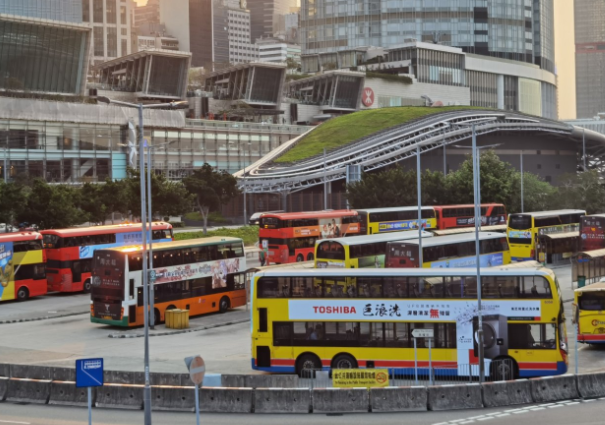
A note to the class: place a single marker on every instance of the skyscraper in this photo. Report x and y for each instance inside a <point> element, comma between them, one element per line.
<point>520,30</point>
<point>265,15</point>
<point>590,57</point>
<point>56,10</point>
<point>111,28</point>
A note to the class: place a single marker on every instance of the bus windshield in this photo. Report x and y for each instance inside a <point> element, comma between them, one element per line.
<point>519,222</point>
<point>593,301</point>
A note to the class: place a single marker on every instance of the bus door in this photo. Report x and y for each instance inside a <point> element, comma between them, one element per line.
<point>76,272</point>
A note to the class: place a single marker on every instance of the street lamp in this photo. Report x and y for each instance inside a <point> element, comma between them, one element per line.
<point>144,206</point>
<point>418,189</point>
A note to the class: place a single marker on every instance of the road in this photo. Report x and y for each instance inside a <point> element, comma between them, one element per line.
<point>226,349</point>
<point>568,412</point>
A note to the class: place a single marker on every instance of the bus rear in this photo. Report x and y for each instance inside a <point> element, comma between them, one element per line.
<point>22,266</point>
<point>460,216</point>
<point>110,298</point>
<point>590,313</point>
<point>520,234</point>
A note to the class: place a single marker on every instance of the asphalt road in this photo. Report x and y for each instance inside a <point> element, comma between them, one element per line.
<point>567,412</point>
<point>226,349</point>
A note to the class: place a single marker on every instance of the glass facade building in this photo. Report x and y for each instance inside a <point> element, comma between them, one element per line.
<point>56,10</point>
<point>42,56</point>
<point>520,30</point>
<point>111,21</point>
<point>590,57</point>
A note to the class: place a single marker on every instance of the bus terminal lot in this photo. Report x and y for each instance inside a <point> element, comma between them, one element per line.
<point>60,341</point>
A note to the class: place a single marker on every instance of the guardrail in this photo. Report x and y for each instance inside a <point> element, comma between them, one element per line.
<point>281,393</point>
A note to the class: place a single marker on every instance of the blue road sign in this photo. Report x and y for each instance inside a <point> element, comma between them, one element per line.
<point>89,373</point>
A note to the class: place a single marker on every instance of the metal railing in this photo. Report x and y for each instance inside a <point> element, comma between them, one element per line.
<point>499,370</point>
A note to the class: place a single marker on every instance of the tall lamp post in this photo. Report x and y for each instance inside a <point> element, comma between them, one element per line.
<point>144,207</point>
<point>418,188</point>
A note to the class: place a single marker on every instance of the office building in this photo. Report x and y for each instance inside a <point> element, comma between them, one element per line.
<point>111,28</point>
<point>267,16</point>
<point>54,10</point>
<point>43,56</point>
<point>146,16</point>
<point>275,50</point>
<point>590,57</point>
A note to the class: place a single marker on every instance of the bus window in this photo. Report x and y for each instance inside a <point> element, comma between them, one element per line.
<point>593,301</point>
<point>525,336</point>
<point>535,287</point>
<point>370,334</point>
<point>520,222</point>
<point>282,334</point>
<point>271,287</point>
<point>331,251</point>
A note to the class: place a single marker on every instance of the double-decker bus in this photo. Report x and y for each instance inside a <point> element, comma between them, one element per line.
<point>290,237</point>
<point>299,323</point>
<point>589,312</point>
<point>592,232</point>
<point>359,251</point>
<point>200,275</point>
<point>22,266</point>
<point>455,216</point>
<point>70,251</point>
<point>397,219</point>
<point>450,251</point>
<point>523,229</point>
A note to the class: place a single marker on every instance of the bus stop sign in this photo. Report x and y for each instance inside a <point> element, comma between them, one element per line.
<point>89,373</point>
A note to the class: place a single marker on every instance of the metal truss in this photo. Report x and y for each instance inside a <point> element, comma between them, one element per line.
<point>394,145</point>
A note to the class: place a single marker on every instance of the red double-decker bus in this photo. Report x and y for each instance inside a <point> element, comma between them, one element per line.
<point>69,251</point>
<point>21,266</point>
<point>290,237</point>
<point>453,216</point>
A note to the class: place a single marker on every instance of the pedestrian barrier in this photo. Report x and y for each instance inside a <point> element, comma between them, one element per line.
<point>271,381</point>
<point>124,377</point>
<point>591,385</point>
<point>341,400</point>
<point>233,381</point>
<point>210,380</point>
<point>28,390</point>
<point>226,400</point>
<point>29,371</point>
<point>280,400</point>
<point>65,393</point>
<point>398,399</point>
<point>173,398</point>
<point>5,370</point>
<point>120,396</point>
<point>3,387</point>
<point>453,397</point>
<point>554,388</point>
<point>507,393</point>
<point>62,374</point>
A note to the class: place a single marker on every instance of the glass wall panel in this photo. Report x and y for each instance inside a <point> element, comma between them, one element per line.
<point>102,139</point>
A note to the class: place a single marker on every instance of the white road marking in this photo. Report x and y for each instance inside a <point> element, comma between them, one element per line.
<point>15,422</point>
<point>556,405</point>
<point>467,422</point>
<point>512,410</point>
<point>547,404</point>
<point>503,415</point>
<point>494,414</point>
<point>457,420</point>
<point>476,417</point>
<point>520,411</point>
<point>572,403</point>
<point>537,408</point>
<point>486,418</point>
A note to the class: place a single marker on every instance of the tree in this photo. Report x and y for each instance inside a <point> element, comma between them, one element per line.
<point>12,201</point>
<point>211,189</point>
<point>538,195</point>
<point>98,201</point>
<point>583,191</point>
<point>52,206</point>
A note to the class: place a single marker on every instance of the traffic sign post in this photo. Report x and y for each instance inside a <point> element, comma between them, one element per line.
<point>197,370</point>
<point>89,373</point>
<point>428,334</point>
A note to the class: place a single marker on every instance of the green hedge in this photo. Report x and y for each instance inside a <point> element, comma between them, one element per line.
<point>248,233</point>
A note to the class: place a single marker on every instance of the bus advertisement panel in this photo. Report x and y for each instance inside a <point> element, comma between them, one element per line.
<point>299,322</point>
<point>592,232</point>
<point>396,219</point>
<point>70,251</point>
<point>456,216</point>
<point>22,266</point>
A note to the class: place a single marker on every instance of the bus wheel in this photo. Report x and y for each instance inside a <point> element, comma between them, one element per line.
<point>503,369</point>
<point>306,365</point>
<point>22,294</point>
<point>300,258</point>
<point>344,361</point>
<point>224,305</point>
<point>310,256</point>
<point>87,286</point>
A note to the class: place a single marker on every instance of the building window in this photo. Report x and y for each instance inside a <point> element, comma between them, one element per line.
<point>124,47</point>
<point>99,45</point>
<point>112,42</point>
<point>123,17</point>
<point>539,166</point>
<point>97,11</point>
<point>124,31</point>
<point>110,8</point>
<point>85,11</point>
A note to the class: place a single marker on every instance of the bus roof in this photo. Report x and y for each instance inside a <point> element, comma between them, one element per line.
<point>466,205</point>
<point>299,266</point>
<point>386,237</point>
<point>100,230</point>
<point>594,287</point>
<point>451,239</point>
<point>458,230</point>
<point>20,236</point>
<point>215,240</point>
<point>391,209</point>
<point>311,214</point>
<point>596,215</point>
<point>550,213</point>
<point>422,272</point>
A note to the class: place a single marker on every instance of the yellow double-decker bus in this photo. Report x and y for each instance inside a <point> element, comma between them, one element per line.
<point>590,313</point>
<point>299,323</point>
<point>396,219</point>
<point>450,251</point>
<point>22,266</point>
<point>358,251</point>
<point>523,229</point>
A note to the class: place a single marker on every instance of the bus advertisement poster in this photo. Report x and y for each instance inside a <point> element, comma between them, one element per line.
<point>592,233</point>
<point>396,226</point>
<point>351,378</point>
<point>7,272</point>
<point>372,261</point>
<point>487,260</point>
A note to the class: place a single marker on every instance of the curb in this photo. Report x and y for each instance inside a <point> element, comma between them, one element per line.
<point>181,331</point>
<point>36,319</point>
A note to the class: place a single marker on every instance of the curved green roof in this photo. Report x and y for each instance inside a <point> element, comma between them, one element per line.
<point>345,129</point>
